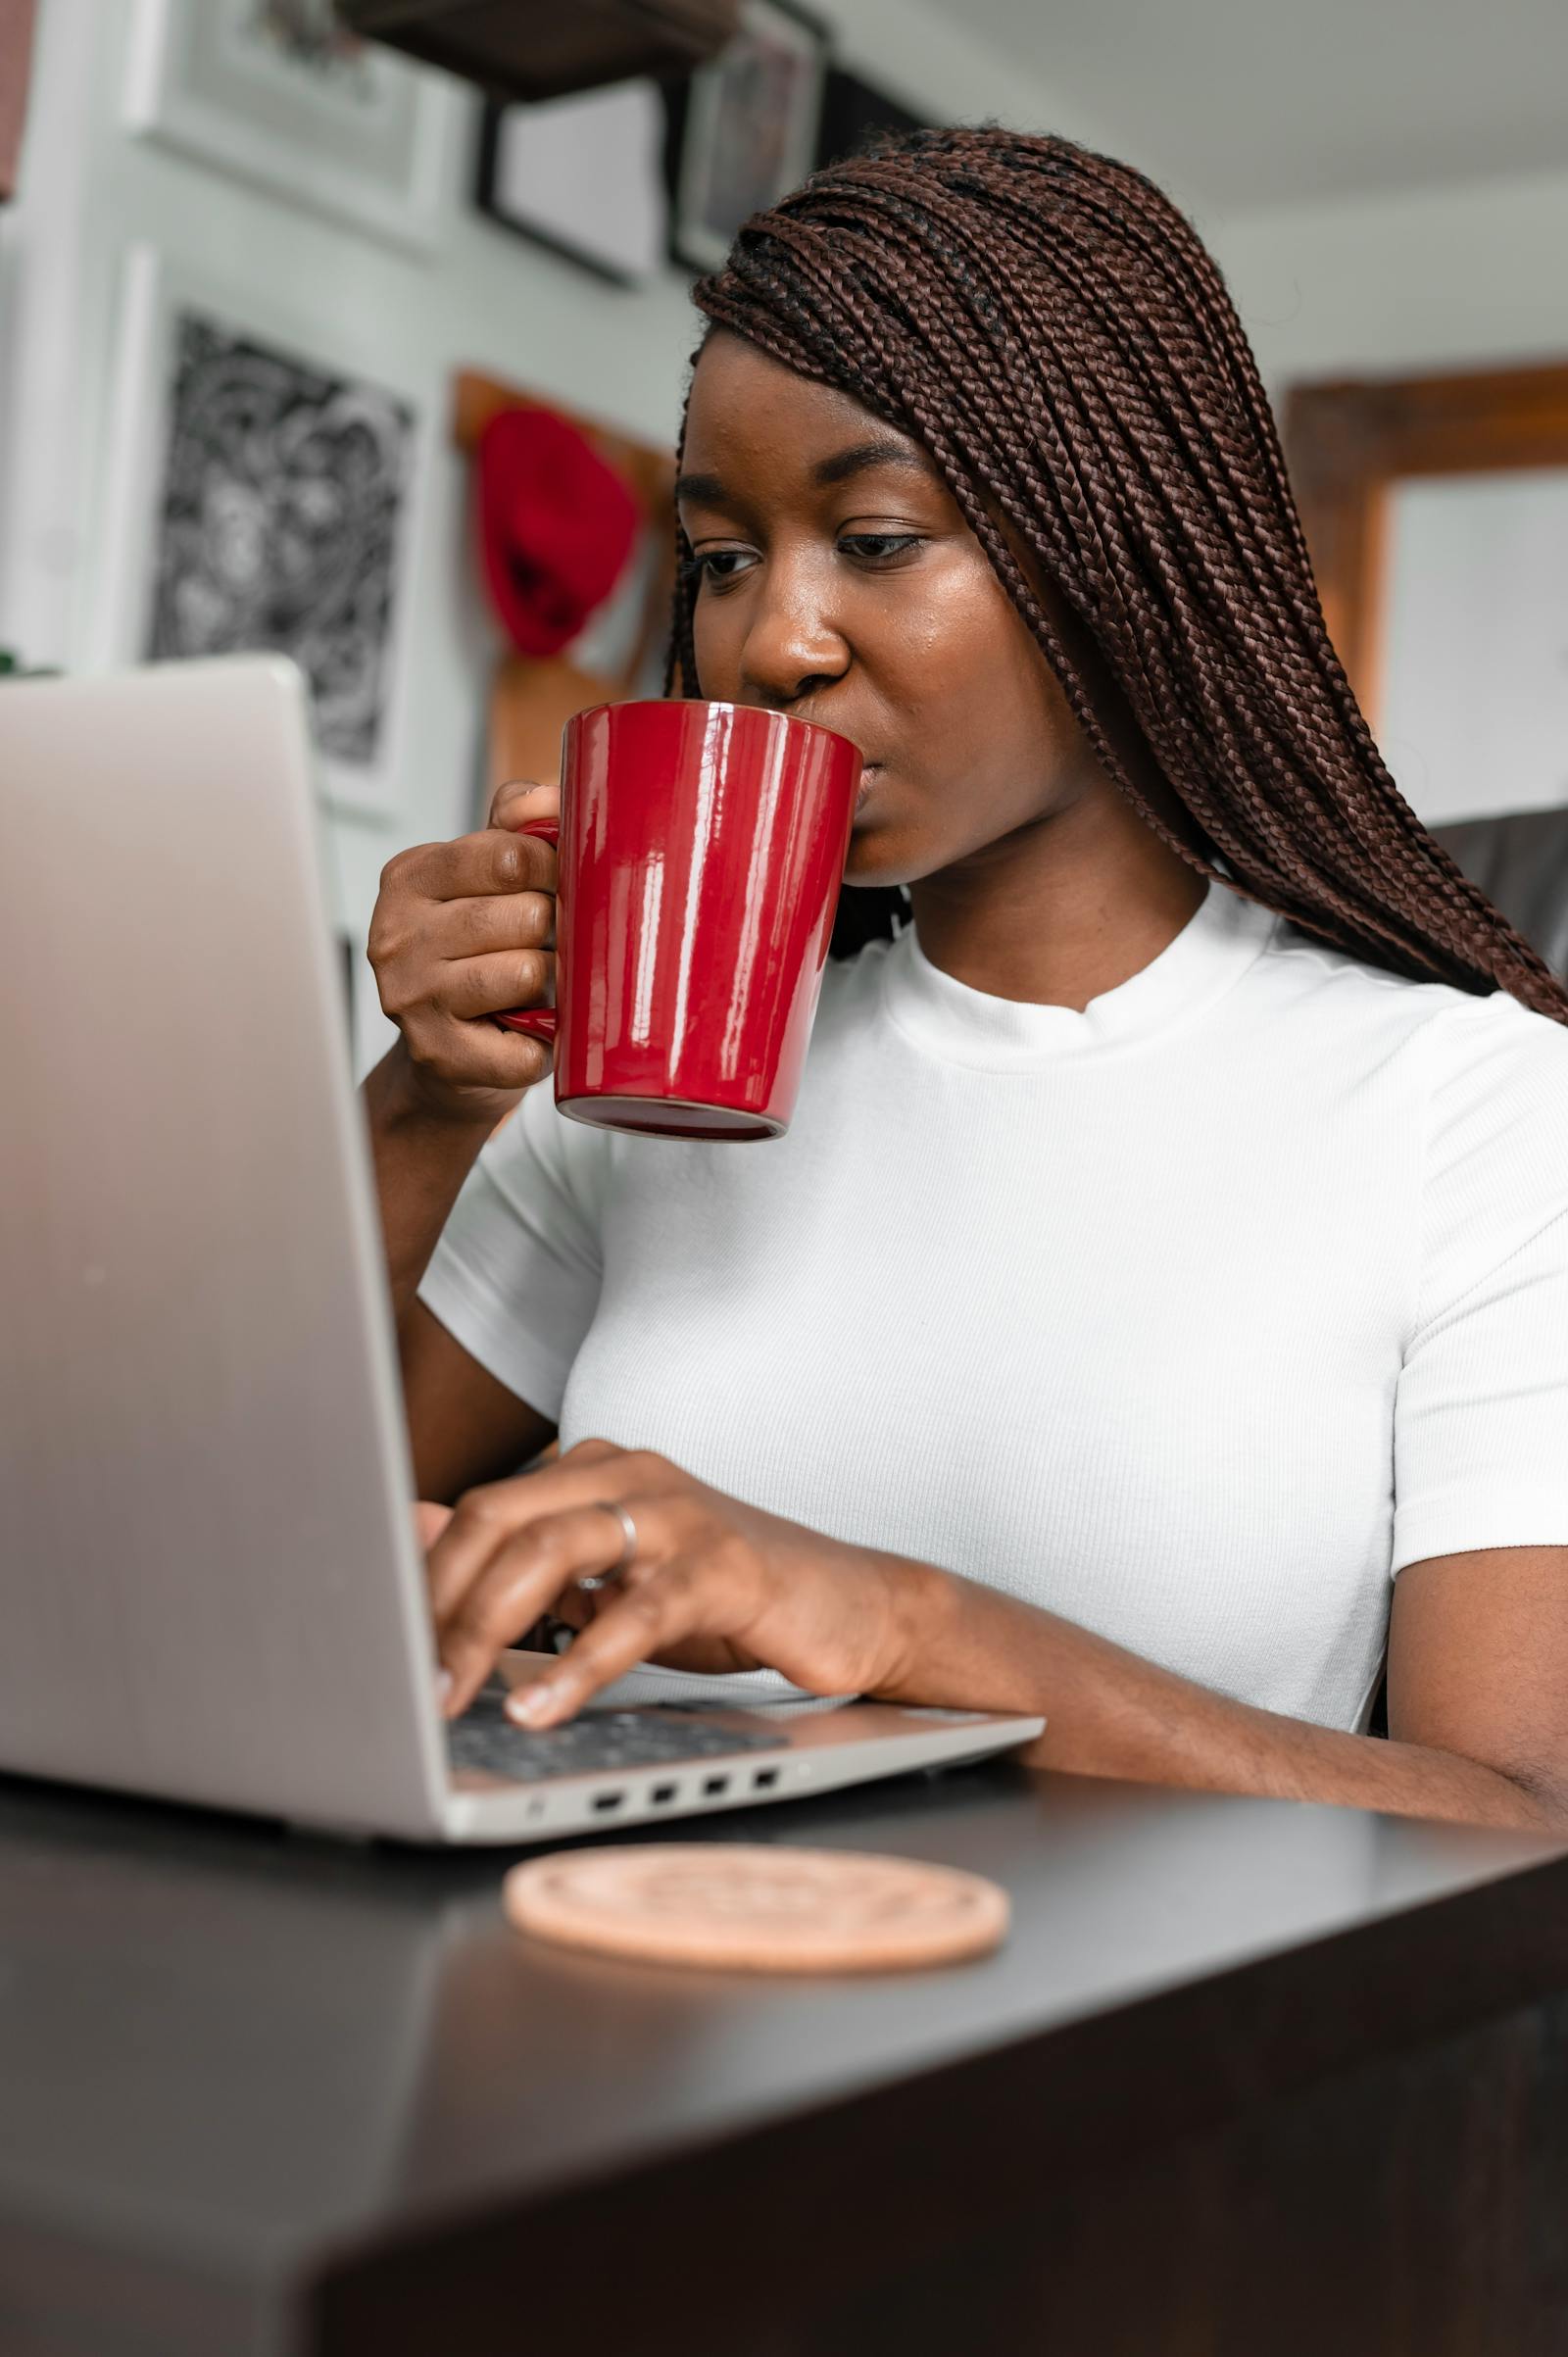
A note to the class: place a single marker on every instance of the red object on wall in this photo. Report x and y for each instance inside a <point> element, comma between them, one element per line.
<point>556,527</point>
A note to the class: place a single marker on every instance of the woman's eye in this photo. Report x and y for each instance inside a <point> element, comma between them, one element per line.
<point>879,548</point>
<point>717,566</point>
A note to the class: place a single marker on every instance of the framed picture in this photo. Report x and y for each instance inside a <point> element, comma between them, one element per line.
<point>853,113</point>
<point>747,131</point>
<point>277,92</point>
<point>584,176</point>
<point>263,488</point>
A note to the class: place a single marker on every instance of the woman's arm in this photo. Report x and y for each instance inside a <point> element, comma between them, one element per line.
<point>460,931</point>
<point>420,1158</point>
<point>1478,1656</point>
<point>1478,1696</point>
<point>464,1426</point>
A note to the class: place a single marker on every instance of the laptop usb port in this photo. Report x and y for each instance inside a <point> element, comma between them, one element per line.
<point>663,1792</point>
<point>713,1785</point>
<point>764,1780</point>
<point>605,1801</point>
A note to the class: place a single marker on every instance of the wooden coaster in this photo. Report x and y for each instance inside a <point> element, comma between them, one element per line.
<point>750,1907</point>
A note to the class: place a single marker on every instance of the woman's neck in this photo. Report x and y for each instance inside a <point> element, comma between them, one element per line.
<point>1063,910</point>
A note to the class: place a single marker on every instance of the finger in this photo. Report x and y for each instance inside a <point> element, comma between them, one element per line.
<point>649,1613</point>
<point>574,1607</point>
<point>522,799</point>
<point>482,986</point>
<point>489,1514</point>
<point>472,866</point>
<point>500,920</point>
<point>429,1521</point>
<point>521,1581</point>
<point>477,1056</point>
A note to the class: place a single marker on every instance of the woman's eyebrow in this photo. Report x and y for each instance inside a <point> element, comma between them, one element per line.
<point>881,451</point>
<point>707,491</point>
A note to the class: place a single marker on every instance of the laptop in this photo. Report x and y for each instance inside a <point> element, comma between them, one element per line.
<point>210,1585</point>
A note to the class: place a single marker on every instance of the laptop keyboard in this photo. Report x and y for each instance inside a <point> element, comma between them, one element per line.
<point>485,1738</point>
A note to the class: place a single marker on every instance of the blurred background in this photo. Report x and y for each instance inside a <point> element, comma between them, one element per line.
<point>362,335</point>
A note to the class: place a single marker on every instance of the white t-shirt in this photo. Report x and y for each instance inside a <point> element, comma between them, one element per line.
<point>1194,1316</point>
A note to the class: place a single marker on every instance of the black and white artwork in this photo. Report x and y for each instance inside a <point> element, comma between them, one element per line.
<point>282,522</point>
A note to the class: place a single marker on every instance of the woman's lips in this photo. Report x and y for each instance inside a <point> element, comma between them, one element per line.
<point>869,774</point>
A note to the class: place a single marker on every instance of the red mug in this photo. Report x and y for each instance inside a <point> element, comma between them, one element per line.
<point>702,847</point>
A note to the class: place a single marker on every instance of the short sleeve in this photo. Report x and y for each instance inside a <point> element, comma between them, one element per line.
<point>516,1276</point>
<point>1481,1411</point>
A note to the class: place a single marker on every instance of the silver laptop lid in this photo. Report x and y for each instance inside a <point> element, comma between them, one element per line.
<point>208,1578</point>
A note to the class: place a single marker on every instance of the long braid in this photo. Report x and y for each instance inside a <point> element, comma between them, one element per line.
<point>1052,331</point>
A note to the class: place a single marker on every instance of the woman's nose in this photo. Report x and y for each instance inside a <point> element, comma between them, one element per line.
<point>792,646</point>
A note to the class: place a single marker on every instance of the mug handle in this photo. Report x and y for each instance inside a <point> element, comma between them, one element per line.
<point>535,1022</point>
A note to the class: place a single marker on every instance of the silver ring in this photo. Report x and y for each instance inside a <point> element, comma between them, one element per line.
<point>601,1579</point>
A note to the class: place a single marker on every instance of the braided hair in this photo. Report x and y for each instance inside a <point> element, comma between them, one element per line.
<point>1049,326</point>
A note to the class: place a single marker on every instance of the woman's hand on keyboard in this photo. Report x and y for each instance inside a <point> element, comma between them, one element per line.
<point>714,1585</point>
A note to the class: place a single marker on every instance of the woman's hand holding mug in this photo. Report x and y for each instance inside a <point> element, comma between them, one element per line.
<point>463,932</point>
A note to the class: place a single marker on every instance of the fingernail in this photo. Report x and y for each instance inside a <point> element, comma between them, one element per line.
<point>531,1705</point>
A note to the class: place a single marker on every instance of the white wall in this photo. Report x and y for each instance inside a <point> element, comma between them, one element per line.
<point>488,300</point>
<point>1432,279</point>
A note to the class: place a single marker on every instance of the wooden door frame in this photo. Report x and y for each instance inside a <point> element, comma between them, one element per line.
<point>1348,441</point>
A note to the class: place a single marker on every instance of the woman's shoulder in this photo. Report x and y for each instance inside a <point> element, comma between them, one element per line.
<point>1496,1075</point>
<point>1470,1029</point>
<point>1476,1085</point>
<point>1463,1031</point>
<point>1493,1140</point>
<point>1478,1081</point>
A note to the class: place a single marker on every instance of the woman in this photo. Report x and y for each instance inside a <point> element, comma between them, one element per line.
<point>1158,1313</point>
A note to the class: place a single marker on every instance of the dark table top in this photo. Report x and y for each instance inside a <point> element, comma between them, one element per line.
<point>241,2050</point>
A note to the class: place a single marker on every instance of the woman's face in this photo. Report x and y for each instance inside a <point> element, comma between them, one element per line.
<point>840,582</point>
